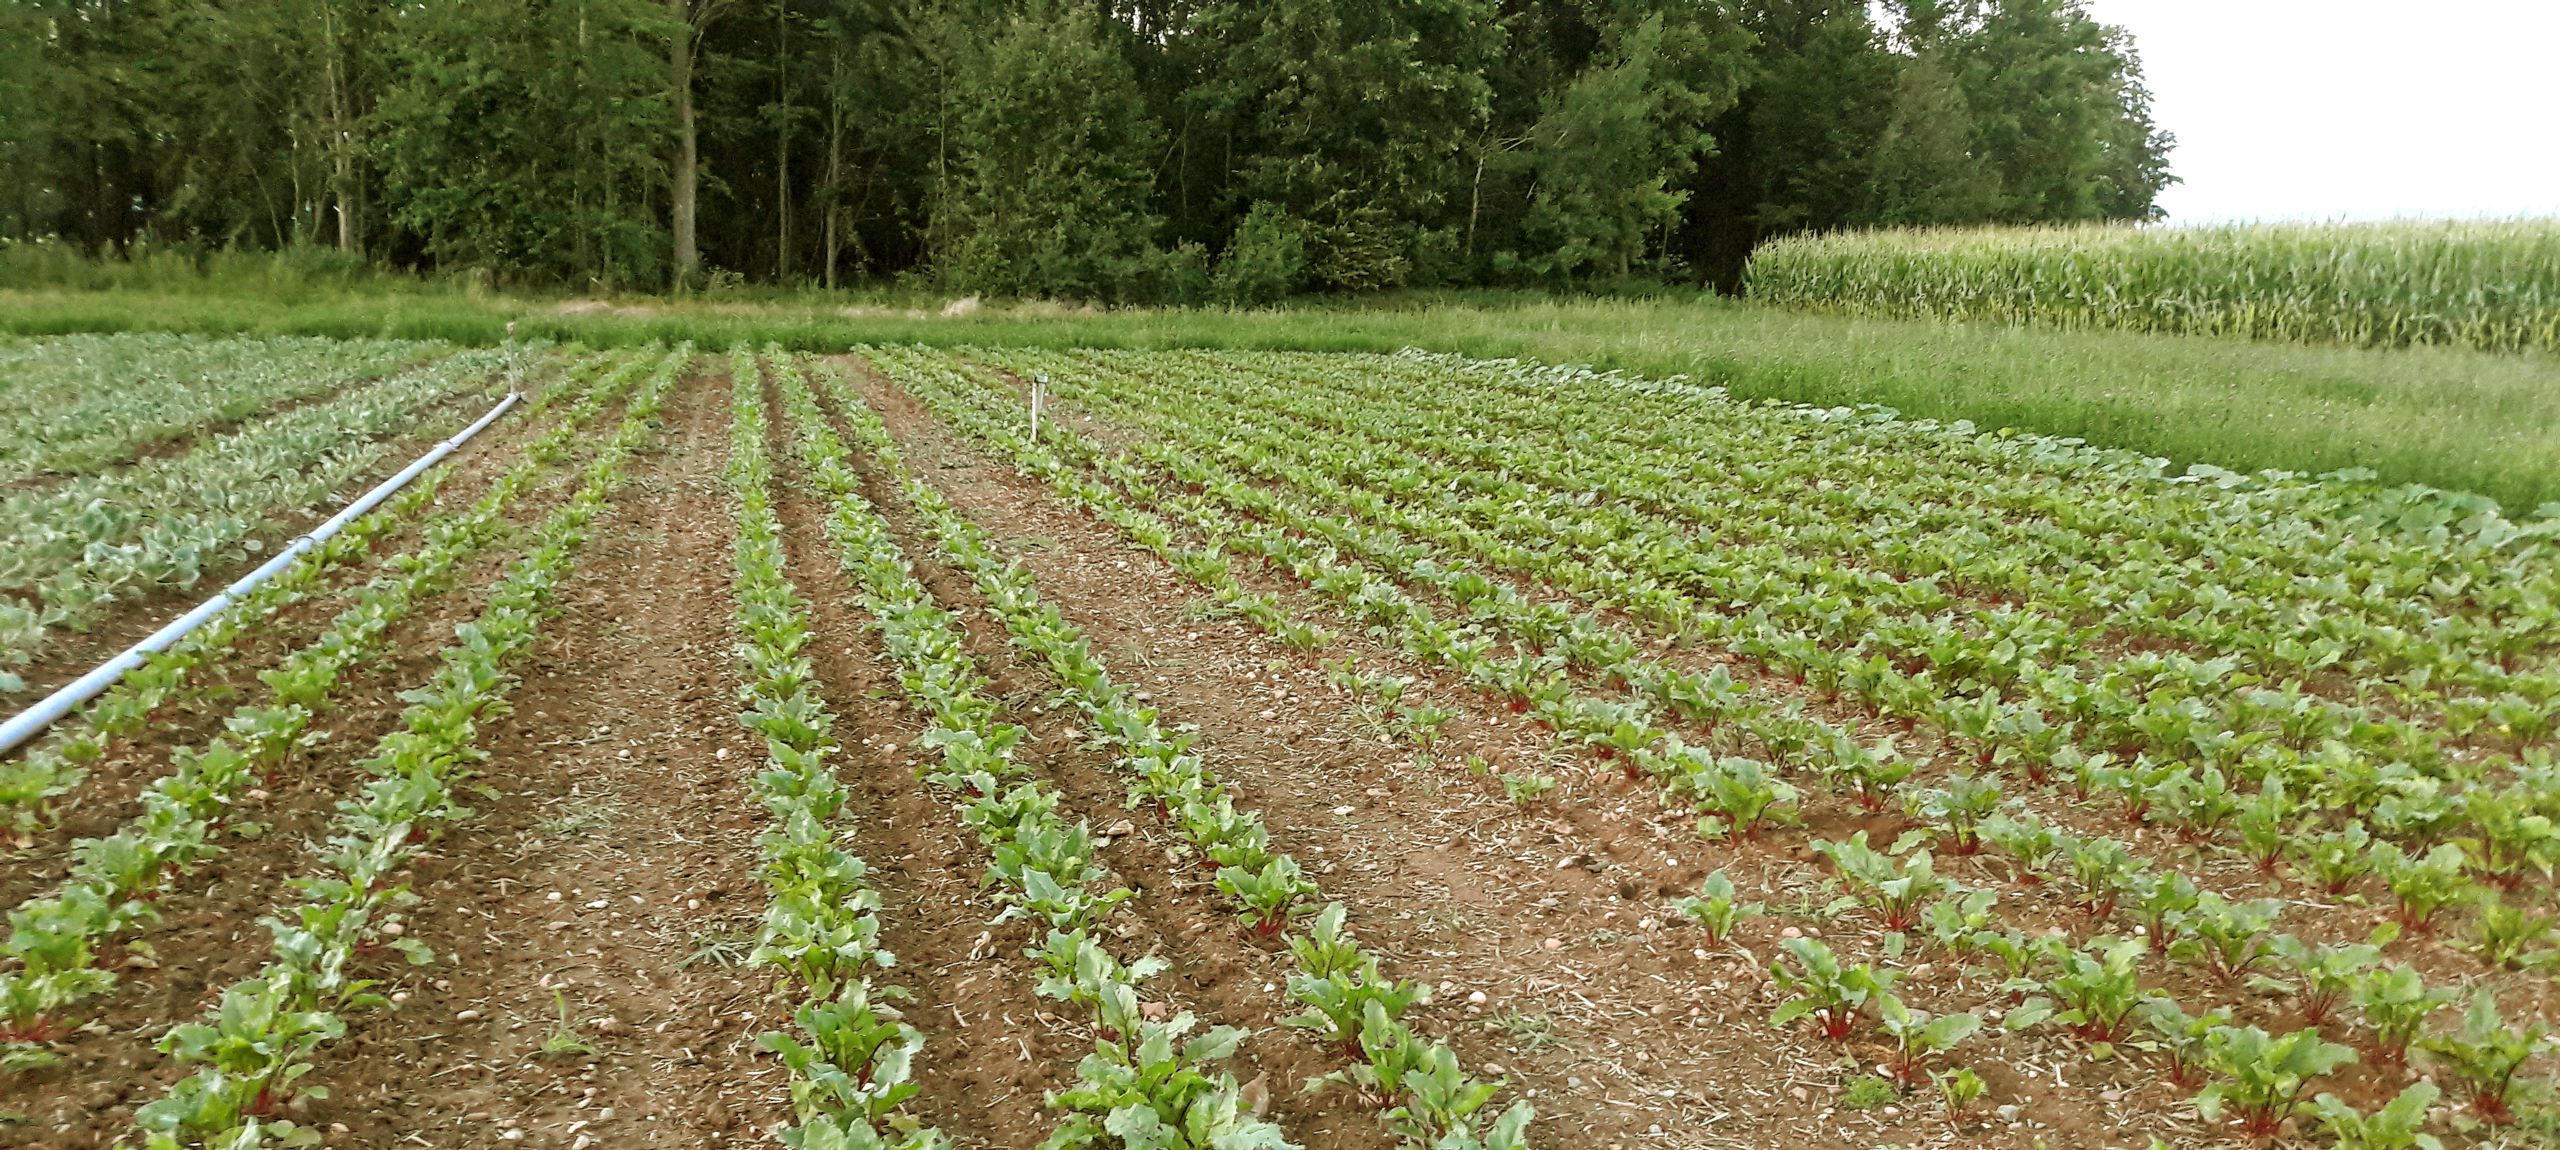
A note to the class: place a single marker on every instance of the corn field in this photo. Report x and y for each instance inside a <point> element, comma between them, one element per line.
<point>2489,284</point>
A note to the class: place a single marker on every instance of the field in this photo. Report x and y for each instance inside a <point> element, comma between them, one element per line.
<point>105,491</point>
<point>2487,284</point>
<point>1274,748</point>
<point>2449,417</point>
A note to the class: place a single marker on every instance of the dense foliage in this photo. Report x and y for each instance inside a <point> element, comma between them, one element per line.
<point>1114,150</point>
<point>2492,284</point>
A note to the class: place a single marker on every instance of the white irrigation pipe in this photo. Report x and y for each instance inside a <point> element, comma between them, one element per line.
<point>25,724</point>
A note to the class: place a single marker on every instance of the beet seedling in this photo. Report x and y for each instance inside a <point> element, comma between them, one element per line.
<point>1391,1053</point>
<point>1523,790</point>
<point>2337,859</point>
<point>2399,1125</point>
<point>2263,1075</point>
<point>2511,836</point>
<point>2033,845</point>
<point>1959,807</point>
<point>2395,1001</point>
<point>1871,773</point>
<point>2319,977</point>
<point>1959,918</point>
<point>1920,1037</point>
<point>2266,824</point>
<point>1894,888</point>
<point>2097,990</point>
<point>2162,902</point>
<point>1958,1089</point>
<point>2102,869</point>
<point>1337,1002</point>
<point>2423,885</point>
<point>1268,895</point>
<point>1825,991</point>
<point>1741,796</point>
<point>2486,1053</point>
<point>2230,938</point>
<point>856,1060</point>
<point>1714,909</point>
<point>2512,936</point>
<point>1442,1103</point>
<point>2179,1038</point>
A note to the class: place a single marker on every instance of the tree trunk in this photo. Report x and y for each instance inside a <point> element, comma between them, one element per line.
<point>835,156</point>
<point>1475,202</point>
<point>342,132</point>
<point>782,145</point>
<point>687,173</point>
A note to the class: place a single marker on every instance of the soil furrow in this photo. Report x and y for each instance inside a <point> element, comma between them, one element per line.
<point>589,918</point>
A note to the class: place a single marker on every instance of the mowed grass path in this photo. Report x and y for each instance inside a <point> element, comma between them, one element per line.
<point>2469,421</point>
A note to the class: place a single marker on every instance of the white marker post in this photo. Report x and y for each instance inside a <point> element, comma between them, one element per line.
<point>1039,390</point>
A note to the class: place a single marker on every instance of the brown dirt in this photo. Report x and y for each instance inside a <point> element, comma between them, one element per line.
<point>611,875</point>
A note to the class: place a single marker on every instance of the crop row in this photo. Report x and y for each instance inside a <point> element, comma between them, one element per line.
<point>1149,1078</point>
<point>2513,832</point>
<point>2095,989</point>
<point>1427,1099</point>
<point>56,765</point>
<point>68,550</point>
<point>81,403</point>
<point>2321,542</point>
<point>851,1066</point>
<point>1920,539</point>
<point>116,882</point>
<point>2186,765</point>
<point>251,1054</point>
<point>2035,651</point>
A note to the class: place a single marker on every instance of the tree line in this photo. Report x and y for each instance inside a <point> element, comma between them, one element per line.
<point>1111,150</point>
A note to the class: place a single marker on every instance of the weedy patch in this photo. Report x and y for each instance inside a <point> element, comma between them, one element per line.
<point>564,1041</point>
<point>1869,1092</point>
<point>722,948</point>
<point>576,818</point>
<point>1527,1032</point>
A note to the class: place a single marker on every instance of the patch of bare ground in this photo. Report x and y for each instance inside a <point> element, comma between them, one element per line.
<point>591,920</point>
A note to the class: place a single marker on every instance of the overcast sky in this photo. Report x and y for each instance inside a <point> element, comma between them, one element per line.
<point>2356,109</point>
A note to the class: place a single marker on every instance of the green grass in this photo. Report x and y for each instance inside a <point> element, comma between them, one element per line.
<point>2458,419</point>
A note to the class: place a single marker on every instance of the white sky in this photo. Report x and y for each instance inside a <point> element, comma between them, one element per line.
<point>2354,109</point>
